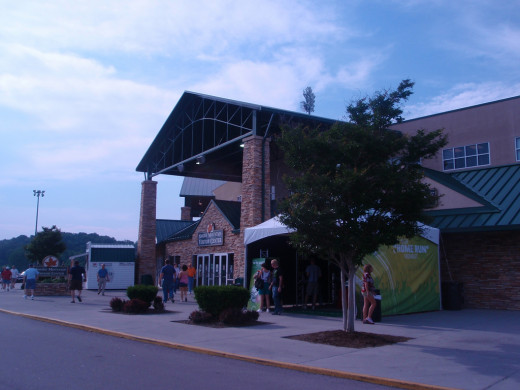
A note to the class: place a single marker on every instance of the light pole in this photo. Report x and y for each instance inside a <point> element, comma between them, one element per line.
<point>37,193</point>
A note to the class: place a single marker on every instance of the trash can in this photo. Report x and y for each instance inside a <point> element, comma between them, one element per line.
<point>376,315</point>
<point>452,295</point>
<point>147,279</point>
<point>239,282</point>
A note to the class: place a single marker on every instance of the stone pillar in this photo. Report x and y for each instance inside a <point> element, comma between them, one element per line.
<point>186,213</point>
<point>146,262</point>
<point>253,190</point>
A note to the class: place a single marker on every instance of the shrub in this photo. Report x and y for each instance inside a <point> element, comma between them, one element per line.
<point>116,304</point>
<point>199,317</point>
<point>143,292</point>
<point>158,304</point>
<point>235,316</point>
<point>135,306</point>
<point>215,299</point>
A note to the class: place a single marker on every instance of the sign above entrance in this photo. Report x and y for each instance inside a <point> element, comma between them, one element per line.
<point>211,238</point>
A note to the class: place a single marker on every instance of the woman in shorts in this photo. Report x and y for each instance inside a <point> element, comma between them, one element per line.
<point>368,292</point>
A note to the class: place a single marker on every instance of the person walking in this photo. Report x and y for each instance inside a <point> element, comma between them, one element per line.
<point>30,277</point>
<point>265,275</point>
<point>313,273</point>
<point>14,275</point>
<point>192,271</point>
<point>166,281</point>
<point>102,279</point>
<point>76,275</point>
<point>368,292</point>
<point>183,283</point>
<point>276,286</point>
<point>176,278</point>
<point>6,278</point>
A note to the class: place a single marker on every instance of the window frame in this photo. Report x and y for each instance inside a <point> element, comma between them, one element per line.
<point>469,156</point>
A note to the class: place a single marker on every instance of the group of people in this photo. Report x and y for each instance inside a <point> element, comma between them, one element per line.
<point>272,283</point>
<point>175,277</point>
<point>9,276</point>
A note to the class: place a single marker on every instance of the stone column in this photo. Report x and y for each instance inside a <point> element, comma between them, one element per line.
<point>253,190</point>
<point>146,262</point>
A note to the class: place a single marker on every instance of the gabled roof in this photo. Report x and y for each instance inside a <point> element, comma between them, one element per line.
<point>205,132</point>
<point>231,211</point>
<point>169,230</point>
<point>498,188</point>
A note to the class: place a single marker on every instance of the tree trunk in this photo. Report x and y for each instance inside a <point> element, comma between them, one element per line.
<point>344,299</point>
<point>351,297</point>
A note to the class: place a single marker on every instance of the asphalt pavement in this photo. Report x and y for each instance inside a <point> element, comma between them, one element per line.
<point>465,349</point>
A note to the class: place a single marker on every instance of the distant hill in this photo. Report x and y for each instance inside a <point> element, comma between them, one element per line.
<point>12,250</point>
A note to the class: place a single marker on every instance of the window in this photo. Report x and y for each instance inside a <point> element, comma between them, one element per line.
<point>469,156</point>
<point>517,148</point>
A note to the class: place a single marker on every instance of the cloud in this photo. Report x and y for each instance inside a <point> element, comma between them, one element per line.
<point>461,96</point>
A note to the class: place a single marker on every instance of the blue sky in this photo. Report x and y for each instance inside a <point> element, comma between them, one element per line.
<point>86,85</point>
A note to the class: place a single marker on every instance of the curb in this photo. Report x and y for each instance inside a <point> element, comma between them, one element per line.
<point>266,362</point>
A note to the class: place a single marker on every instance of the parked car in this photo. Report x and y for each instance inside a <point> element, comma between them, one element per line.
<point>19,279</point>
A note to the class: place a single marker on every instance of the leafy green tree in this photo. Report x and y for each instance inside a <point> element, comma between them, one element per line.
<point>358,185</point>
<point>308,104</point>
<point>45,243</point>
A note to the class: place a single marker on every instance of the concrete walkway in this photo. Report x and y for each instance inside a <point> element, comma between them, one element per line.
<point>467,349</point>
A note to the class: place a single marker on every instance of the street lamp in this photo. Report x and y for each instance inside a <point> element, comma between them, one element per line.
<point>37,193</point>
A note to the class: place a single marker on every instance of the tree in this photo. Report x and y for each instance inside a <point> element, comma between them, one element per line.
<point>358,185</point>
<point>308,104</point>
<point>45,243</point>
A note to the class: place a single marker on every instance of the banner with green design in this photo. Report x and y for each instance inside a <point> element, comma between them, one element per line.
<point>254,298</point>
<point>407,274</point>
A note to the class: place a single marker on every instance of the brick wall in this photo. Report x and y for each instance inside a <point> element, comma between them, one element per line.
<point>51,289</point>
<point>488,265</point>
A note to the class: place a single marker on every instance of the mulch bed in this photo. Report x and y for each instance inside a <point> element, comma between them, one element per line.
<point>340,338</point>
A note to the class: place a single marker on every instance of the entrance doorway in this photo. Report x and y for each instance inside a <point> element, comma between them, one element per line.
<point>215,269</point>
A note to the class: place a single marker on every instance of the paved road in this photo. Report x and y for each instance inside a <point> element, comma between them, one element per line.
<point>48,356</point>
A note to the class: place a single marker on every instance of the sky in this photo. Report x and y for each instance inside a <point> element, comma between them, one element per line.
<point>85,86</point>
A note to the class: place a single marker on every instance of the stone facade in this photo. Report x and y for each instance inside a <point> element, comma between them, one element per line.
<point>146,260</point>
<point>488,266</point>
<point>233,241</point>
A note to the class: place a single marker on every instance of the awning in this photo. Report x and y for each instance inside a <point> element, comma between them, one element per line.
<point>271,227</point>
<point>274,227</point>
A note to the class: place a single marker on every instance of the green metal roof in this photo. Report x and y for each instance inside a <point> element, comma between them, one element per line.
<point>497,188</point>
<point>164,228</point>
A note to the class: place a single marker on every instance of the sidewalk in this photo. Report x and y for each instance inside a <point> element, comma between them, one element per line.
<point>467,349</point>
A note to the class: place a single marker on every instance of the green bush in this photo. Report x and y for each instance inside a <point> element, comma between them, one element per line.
<point>215,299</point>
<point>143,292</point>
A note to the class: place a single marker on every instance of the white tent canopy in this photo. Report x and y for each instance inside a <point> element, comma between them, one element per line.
<point>271,227</point>
<point>274,227</point>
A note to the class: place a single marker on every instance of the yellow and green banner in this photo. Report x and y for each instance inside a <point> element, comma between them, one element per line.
<point>407,274</point>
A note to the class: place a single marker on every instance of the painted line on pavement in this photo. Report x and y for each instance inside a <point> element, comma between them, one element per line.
<point>266,362</point>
